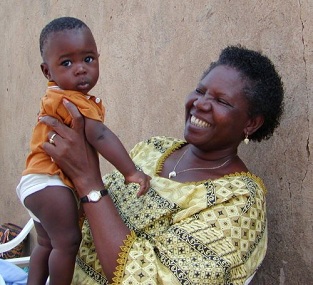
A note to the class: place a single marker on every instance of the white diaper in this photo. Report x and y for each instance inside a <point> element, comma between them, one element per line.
<point>32,183</point>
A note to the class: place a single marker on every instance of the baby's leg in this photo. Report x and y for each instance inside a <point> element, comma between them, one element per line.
<point>58,233</point>
<point>39,270</point>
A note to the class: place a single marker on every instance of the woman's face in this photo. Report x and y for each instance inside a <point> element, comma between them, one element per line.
<point>217,111</point>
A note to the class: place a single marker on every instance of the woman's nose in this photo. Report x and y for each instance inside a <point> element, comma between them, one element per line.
<point>203,103</point>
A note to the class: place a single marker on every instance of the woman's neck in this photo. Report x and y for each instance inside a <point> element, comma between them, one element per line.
<point>200,156</point>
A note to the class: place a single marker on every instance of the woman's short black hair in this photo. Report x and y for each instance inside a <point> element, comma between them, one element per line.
<point>264,89</point>
<point>58,25</point>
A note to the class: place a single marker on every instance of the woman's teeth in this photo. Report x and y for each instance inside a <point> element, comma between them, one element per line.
<point>199,123</point>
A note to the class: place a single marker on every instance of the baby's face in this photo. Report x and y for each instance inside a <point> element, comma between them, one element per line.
<point>71,60</point>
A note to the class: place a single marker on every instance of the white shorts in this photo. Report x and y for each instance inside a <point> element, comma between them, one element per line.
<point>32,183</point>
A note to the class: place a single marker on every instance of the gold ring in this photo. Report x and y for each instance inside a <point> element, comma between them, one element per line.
<point>51,139</point>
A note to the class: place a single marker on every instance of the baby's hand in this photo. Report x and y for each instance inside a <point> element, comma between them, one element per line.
<point>142,179</point>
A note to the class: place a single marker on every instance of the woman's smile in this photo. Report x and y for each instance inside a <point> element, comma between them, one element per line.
<point>198,122</point>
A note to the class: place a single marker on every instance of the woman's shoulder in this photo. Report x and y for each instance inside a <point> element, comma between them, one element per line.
<point>247,178</point>
<point>157,143</point>
<point>164,141</point>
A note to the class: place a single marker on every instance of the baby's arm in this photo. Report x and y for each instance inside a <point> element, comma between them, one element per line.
<point>111,148</point>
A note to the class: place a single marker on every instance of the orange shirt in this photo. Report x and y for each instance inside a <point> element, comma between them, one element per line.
<point>38,162</point>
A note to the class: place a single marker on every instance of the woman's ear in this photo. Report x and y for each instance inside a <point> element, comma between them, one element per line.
<point>45,70</point>
<point>254,124</point>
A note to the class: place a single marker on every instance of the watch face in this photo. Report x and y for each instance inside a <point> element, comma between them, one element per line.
<point>94,196</point>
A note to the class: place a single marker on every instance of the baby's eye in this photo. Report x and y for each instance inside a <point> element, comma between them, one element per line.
<point>66,63</point>
<point>89,59</point>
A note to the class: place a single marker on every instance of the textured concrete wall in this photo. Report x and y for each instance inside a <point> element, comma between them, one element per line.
<point>152,54</point>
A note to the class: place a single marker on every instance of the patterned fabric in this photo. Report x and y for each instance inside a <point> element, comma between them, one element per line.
<point>209,232</point>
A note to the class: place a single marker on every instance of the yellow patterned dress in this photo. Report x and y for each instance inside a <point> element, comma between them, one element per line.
<point>209,232</point>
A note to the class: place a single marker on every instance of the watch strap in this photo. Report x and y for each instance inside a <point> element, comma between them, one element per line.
<point>84,199</point>
<point>102,192</point>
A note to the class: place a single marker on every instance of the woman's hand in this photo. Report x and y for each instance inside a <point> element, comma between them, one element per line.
<point>73,154</point>
<point>71,151</point>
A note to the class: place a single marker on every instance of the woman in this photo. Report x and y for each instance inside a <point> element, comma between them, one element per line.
<point>203,220</point>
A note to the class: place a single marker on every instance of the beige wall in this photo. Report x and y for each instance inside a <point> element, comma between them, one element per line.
<point>152,54</point>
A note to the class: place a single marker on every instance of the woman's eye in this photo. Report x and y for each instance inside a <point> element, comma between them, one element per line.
<point>66,63</point>
<point>88,59</point>
<point>198,90</point>
<point>224,102</point>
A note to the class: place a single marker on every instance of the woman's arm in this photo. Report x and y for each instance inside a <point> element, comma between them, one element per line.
<point>79,161</point>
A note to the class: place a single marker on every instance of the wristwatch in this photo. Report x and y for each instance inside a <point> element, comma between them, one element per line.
<point>94,196</point>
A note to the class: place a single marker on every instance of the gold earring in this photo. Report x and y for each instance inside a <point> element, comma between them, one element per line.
<point>246,140</point>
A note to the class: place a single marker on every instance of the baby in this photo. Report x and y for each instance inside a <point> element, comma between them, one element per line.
<point>70,63</point>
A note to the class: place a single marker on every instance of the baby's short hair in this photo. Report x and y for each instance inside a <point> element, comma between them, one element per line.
<point>57,25</point>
